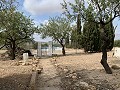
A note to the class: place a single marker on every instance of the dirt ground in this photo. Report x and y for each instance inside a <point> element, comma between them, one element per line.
<point>83,71</point>
<point>77,70</point>
<point>14,76</point>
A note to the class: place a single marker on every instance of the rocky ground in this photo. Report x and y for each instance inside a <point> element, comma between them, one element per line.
<point>14,75</point>
<point>75,71</point>
<point>84,72</point>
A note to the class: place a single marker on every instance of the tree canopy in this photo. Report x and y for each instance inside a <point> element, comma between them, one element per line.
<point>58,28</point>
<point>103,12</point>
<point>15,28</point>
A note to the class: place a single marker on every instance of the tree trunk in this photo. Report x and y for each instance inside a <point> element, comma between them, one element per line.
<point>12,51</point>
<point>105,43</point>
<point>104,59</point>
<point>63,50</point>
<point>78,31</point>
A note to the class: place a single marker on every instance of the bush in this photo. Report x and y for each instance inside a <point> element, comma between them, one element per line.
<point>117,43</point>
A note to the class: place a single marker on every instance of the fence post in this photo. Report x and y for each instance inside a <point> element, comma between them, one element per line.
<point>50,48</point>
<point>39,50</point>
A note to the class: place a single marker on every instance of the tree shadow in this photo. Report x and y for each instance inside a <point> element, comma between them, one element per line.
<point>15,82</point>
<point>96,77</point>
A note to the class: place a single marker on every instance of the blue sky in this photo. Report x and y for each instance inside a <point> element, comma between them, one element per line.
<point>41,10</point>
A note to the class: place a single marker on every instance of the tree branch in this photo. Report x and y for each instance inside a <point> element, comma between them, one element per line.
<point>115,15</point>
<point>2,46</point>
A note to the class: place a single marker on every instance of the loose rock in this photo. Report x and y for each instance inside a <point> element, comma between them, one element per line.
<point>115,67</point>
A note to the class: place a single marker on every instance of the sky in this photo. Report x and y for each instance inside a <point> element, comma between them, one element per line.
<point>42,10</point>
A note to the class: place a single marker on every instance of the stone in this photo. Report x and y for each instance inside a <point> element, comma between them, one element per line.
<point>66,70</point>
<point>91,87</point>
<point>39,70</point>
<point>71,71</point>
<point>115,67</point>
<point>56,65</point>
<point>70,75</point>
<point>35,62</point>
<point>23,64</point>
<point>67,76</point>
<point>74,77</point>
<point>84,84</point>
<point>25,57</point>
<point>75,74</point>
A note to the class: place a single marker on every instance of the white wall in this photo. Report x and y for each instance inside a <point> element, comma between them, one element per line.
<point>117,52</point>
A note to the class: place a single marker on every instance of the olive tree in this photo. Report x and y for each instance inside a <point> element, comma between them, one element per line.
<point>104,12</point>
<point>15,28</point>
<point>58,28</point>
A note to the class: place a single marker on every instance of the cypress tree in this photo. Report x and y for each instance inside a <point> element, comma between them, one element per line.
<point>91,37</point>
<point>110,34</point>
<point>91,34</point>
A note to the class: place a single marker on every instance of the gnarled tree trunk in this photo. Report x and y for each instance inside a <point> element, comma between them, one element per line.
<point>63,50</point>
<point>12,50</point>
<point>104,59</point>
<point>105,43</point>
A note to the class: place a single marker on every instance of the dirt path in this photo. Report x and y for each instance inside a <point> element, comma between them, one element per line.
<point>48,79</point>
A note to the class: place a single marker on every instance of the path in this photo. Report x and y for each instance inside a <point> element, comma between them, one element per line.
<point>48,79</point>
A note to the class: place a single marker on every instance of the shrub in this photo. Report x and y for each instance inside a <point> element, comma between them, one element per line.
<point>117,43</point>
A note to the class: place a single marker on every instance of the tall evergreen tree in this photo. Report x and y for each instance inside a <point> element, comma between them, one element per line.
<point>91,35</point>
<point>74,37</point>
<point>104,11</point>
<point>111,34</point>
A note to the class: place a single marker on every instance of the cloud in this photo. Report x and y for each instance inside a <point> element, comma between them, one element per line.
<point>43,6</point>
<point>38,22</point>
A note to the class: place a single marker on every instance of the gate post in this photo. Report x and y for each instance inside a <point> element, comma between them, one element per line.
<point>39,50</point>
<point>50,48</point>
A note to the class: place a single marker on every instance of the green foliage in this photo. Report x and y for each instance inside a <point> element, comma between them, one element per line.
<point>58,28</point>
<point>67,42</point>
<point>73,12</point>
<point>117,43</point>
<point>110,34</point>
<point>44,45</point>
<point>56,45</point>
<point>102,10</point>
<point>15,28</point>
<point>91,34</point>
<point>91,37</point>
<point>74,37</point>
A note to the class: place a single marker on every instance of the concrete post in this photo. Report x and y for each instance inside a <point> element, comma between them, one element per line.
<point>39,50</point>
<point>50,48</point>
<point>25,58</point>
